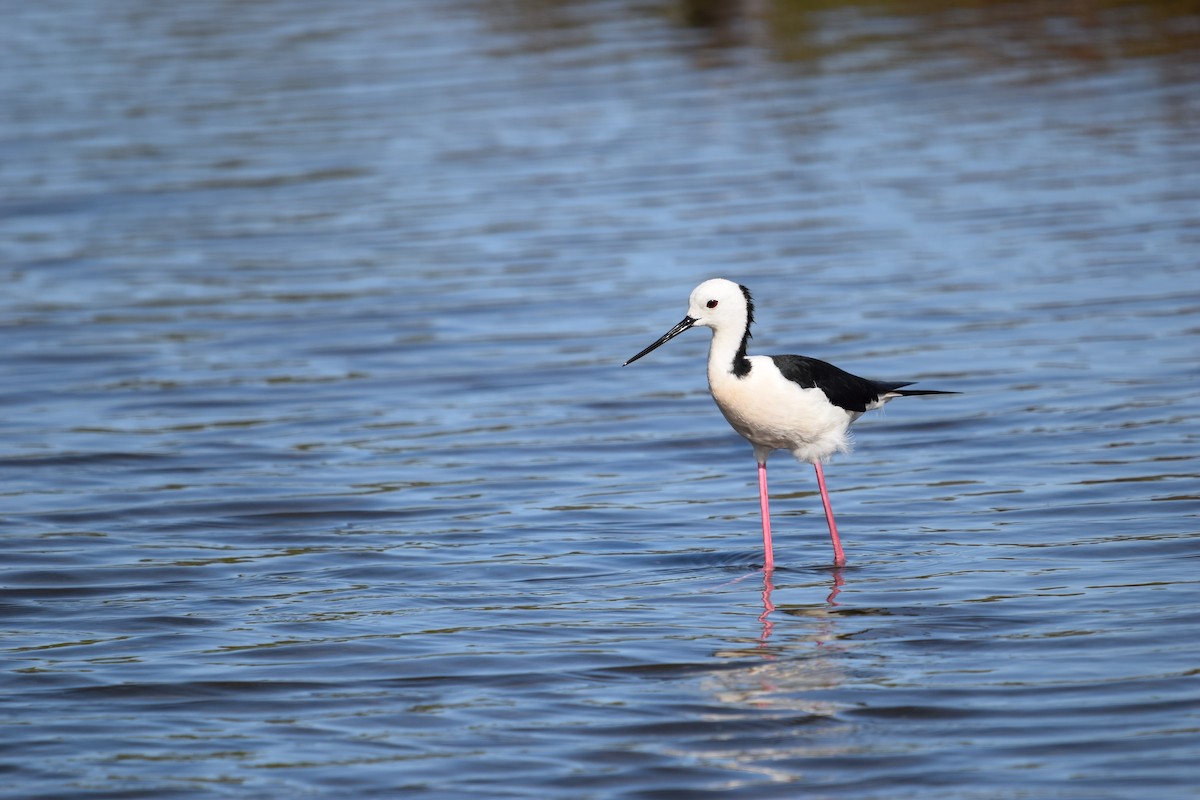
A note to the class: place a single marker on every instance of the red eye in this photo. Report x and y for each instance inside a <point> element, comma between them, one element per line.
<point>711,304</point>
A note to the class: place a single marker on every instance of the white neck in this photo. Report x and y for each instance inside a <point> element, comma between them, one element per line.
<point>723,350</point>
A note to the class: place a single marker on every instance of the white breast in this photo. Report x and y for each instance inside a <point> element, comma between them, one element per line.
<point>775,413</point>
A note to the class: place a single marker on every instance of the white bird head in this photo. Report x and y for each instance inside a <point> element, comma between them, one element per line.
<point>720,303</point>
<point>716,304</point>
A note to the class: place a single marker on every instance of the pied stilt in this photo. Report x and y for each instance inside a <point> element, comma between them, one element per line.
<point>778,402</point>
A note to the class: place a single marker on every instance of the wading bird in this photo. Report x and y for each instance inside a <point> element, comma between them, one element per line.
<point>791,403</point>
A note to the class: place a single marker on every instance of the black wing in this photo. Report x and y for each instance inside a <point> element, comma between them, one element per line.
<point>843,389</point>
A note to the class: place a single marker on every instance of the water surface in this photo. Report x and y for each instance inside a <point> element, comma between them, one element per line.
<point>321,476</point>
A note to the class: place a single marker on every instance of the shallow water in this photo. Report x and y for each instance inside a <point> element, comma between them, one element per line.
<point>321,476</point>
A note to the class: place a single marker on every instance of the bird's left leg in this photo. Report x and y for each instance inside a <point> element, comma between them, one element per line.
<point>839,558</point>
<point>764,507</point>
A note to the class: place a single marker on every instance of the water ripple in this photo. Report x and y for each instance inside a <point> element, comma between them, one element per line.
<point>322,478</point>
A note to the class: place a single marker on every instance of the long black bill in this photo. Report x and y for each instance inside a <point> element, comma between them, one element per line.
<point>682,326</point>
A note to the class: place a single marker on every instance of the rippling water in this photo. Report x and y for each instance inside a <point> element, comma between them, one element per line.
<point>321,476</point>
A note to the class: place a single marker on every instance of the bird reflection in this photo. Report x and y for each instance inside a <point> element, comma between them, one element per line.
<point>838,582</point>
<point>764,618</point>
<point>791,673</point>
<point>768,606</point>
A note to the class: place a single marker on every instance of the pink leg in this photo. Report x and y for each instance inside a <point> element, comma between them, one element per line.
<point>769,563</point>
<point>839,558</point>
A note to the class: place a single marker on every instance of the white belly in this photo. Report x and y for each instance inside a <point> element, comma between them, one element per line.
<point>774,413</point>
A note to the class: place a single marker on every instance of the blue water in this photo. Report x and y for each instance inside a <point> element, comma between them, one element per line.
<point>322,478</point>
